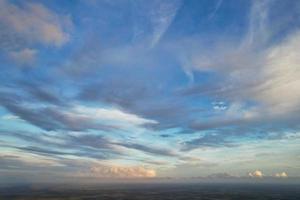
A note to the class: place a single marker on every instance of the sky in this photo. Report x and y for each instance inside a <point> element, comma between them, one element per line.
<point>149,89</point>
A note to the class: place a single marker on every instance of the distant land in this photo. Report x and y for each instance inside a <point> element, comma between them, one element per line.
<point>152,191</point>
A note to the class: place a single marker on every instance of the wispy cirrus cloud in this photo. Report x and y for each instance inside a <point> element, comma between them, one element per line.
<point>158,15</point>
<point>161,18</point>
<point>76,118</point>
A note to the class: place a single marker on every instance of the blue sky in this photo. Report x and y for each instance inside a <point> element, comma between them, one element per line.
<point>143,89</point>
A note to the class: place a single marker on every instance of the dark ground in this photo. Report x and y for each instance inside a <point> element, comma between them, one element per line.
<point>144,191</point>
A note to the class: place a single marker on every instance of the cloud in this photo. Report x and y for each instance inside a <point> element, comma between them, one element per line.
<point>256,174</point>
<point>214,12</point>
<point>10,117</point>
<point>147,149</point>
<point>24,166</point>
<point>54,169</point>
<point>61,145</point>
<point>80,152</point>
<point>35,23</point>
<point>110,96</point>
<point>25,163</point>
<point>280,89</point>
<point>153,102</point>
<point>100,171</point>
<point>281,175</point>
<point>24,57</point>
<point>207,141</point>
<point>111,114</point>
<point>161,17</point>
<point>100,142</point>
<point>42,93</point>
<point>152,19</point>
<point>219,106</point>
<point>257,77</point>
<point>74,117</point>
<point>84,145</point>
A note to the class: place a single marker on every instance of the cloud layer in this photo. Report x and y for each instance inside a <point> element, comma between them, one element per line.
<point>151,88</point>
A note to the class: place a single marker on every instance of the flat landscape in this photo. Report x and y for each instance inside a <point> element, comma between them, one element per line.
<point>156,191</point>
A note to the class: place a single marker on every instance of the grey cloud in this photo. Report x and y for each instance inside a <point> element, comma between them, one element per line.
<point>87,145</point>
<point>147,149</point>
<point>64,144</point>
<point>80,153</point>
<point>35,117</point>
<point>50,117</point>
<point>42,94</point>
<point>147,101</point>
<point>95,141</point>
<point>214,123</point>
<point>100,142</point>
<point>210,141</point>
<point>43,151</point>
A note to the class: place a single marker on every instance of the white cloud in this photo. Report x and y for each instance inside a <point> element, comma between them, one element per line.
<point>100,171</point>
<point>219,105</point>
<point>24,57</point>
<point>108,115</point>
<point>258,30</point>
<point>35,23</point>
<point>281,175</point>
<point>10,117</point>
<point>256,174</point>
<point>255,69</point>
<point>281,71</point>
